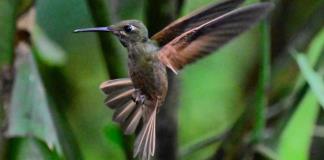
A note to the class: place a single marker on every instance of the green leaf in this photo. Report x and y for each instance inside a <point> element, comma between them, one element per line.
<point>82,74</point>
<point>119,143</point>
<point>316,48</point>
<point>314,52</point>
<point>23,6</point>
<point>30,148</point>
<point>9,9</point>
<point>313,79</point>
<point>29,113</point>
<point>296,138</point>
<point>48,50</point>
<point>114,134</point>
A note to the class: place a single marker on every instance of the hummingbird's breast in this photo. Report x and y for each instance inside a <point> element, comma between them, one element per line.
<point>146,71</point>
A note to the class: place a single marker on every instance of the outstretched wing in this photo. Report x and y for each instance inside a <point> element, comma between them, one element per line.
<point>193,20</point>
<point>210,36</point>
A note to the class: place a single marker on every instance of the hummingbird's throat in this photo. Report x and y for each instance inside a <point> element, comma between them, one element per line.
<point>123,43</point>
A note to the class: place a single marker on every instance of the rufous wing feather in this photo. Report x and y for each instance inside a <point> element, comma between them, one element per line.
<point>193,20</point>
<point>210,36</point>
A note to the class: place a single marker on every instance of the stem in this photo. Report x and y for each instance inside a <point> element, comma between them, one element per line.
<point>8,13</point>
<point>8,29</point>
<point>254,116</point>
<point>167,123</point>
<point>165,11</point>
<point>263,83</point>
<point>114,64</point>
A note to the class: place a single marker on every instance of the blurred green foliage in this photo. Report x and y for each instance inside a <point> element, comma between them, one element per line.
<point>29,113</point>
<point>56,110</point>
<point>296,138</point>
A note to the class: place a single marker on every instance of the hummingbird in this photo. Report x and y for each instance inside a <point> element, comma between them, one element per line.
<point>137,99</point>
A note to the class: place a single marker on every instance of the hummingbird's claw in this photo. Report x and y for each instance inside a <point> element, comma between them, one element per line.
<point>142,99</point>
<point>138,98</point>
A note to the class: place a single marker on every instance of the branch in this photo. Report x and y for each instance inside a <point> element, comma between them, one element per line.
<point>6,83</point>
<point>167,123</point>
<point>165,11</point>
<point>114,64</point>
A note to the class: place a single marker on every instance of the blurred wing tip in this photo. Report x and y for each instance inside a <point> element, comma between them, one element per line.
<point>173,70</point>
<point>195,19</point>
<point>268,4</point>
<point>265,5</point>
<point>102,85</point>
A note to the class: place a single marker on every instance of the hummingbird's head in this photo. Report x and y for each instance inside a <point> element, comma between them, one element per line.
<point>128,31</point>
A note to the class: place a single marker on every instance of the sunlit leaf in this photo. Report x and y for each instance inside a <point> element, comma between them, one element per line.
<point>315,50</point>
<point>29,113</point>
<point>316,47</point>
<point>314,80</point>
<point>296,138</point>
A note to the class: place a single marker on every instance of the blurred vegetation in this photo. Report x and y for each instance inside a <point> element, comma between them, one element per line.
<point>259,97</point>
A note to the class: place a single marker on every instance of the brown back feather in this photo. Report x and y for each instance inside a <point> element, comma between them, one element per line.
<point>193,20</point>
<point>210,36</point>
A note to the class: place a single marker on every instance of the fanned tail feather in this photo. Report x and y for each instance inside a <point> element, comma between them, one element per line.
<point>132,122</point>
<point>119,97</point>
<point>119,92</point>
<point>128,114</point>
<point>112,86</point>
<point>145,142</point>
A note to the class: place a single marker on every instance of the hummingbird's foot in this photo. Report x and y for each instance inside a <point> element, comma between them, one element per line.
<point>138,97</point>
<point>142,98</point>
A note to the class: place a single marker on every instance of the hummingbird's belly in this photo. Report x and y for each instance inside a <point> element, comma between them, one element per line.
<point>151,79</point>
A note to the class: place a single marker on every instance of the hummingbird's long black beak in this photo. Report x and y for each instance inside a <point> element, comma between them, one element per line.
<point>96,29</point>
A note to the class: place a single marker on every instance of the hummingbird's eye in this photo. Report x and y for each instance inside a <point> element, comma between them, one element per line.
<point>129,28</point>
